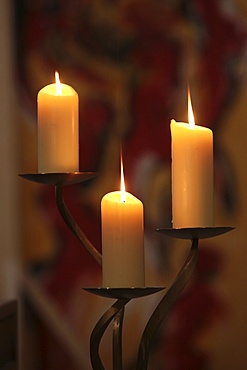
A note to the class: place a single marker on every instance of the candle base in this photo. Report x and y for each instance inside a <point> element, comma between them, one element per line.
<point>61,178</point>
<point>116,314</point>
<point>123,295</point>
<point>195,232</point>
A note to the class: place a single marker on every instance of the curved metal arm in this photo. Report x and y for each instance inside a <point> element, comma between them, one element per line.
<point>117,340</point>
<point>73,226</point>
<point>116,312</point>
<point>165,304</point>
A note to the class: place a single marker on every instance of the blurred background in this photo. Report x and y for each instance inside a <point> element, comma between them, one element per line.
<point>131,63</point>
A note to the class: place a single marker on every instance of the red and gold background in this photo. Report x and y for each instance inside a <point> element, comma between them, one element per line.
<point>131,62</point>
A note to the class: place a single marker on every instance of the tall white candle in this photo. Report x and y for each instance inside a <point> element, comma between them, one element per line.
<point>58,136</point>
<point>122,240</point>
<point>192,174</point>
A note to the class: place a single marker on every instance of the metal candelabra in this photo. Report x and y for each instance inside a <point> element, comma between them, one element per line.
<point>115,313</point>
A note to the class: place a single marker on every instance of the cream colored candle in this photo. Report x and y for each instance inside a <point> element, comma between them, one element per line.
<point>192,174</point>
<point>58,136</point>
<point>122,240</point>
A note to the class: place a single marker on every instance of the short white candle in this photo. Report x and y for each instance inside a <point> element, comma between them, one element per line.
<point>58,133</point>
<point>122,240</point>
<point>192,174</point>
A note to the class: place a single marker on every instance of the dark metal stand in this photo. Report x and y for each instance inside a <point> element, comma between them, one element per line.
<point>115,313</point>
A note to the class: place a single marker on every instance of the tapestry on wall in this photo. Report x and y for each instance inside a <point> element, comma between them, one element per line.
<point>131,63</point>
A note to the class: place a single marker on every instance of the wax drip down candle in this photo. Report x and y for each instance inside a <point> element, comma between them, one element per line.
<point>122,239</point>
<point>192,173</point>
<point>58,132</point>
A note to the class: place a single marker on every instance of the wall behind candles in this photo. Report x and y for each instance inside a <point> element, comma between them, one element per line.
<point>130,63</point>
<point>9,230</point>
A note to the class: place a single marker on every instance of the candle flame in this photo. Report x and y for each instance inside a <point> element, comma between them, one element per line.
<point>122,184</point>
<point>190,111</point>
<point>58,84</point>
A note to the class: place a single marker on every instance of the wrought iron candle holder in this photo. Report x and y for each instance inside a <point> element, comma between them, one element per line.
<point>115,313</point>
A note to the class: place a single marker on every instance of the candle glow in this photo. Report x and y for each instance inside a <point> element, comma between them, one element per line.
<point>192,173</point>
<point>58,128</point>
<point>58,84</point>
<point>190,112</point>
<point>122,183</point>
<point>122,239</point>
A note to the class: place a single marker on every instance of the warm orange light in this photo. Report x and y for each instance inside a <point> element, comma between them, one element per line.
<point>190,112</point>
<point>122,184</point>
<point>58,84</point>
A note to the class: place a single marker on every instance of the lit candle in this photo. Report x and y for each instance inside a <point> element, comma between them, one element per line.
<point>192,173</point>
<point>122,239</point>
<point>58,137</point>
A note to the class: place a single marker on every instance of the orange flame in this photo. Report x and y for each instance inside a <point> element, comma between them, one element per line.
<point>190,111</point>
<point>122,184</point>
<point>58,84</point>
